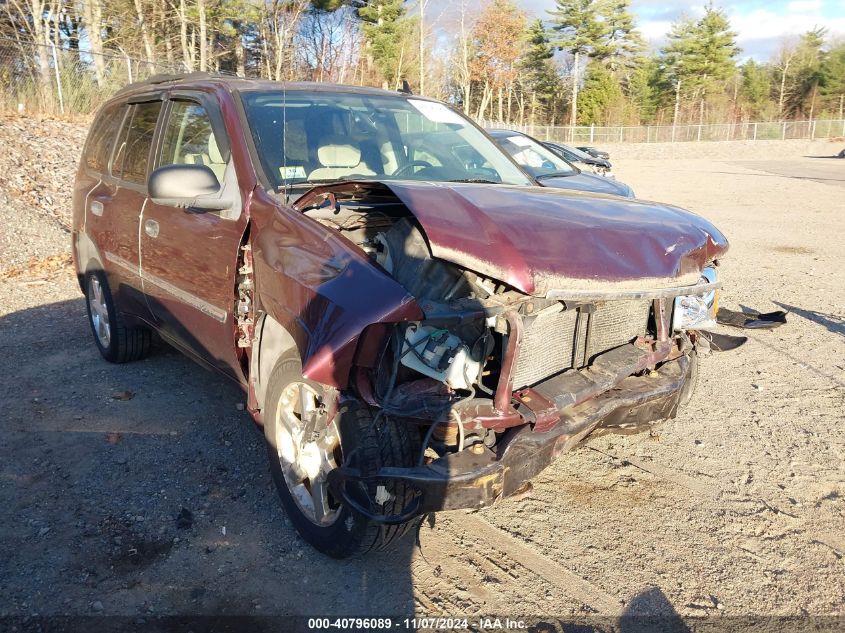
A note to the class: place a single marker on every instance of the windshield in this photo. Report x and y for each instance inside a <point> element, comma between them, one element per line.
<point>537,160</point>
<point>305,139</point>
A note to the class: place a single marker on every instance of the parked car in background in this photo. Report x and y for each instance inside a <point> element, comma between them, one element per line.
<point>584,160</point>
<point>594,152</point>
<point>415,324</point>
<point>550,169</point>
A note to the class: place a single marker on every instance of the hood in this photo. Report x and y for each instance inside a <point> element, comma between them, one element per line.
<point>538,239</point>
<point>588,182</point>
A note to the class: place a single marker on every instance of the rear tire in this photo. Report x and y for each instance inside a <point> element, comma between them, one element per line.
<point>117,342</point>
<point>337,530</point>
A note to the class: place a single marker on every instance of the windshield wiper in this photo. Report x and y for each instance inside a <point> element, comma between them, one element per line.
<point>476,180</point>
<point>554,174</point>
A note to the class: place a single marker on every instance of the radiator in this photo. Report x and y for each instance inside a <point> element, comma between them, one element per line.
<point>549,337</point>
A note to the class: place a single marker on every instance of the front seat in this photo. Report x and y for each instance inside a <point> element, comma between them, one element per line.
<point>212,158</point>
<point>339,159</point>
<point>215,158</point>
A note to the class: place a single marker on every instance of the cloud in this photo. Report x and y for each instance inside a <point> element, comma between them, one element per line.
<point>802,6</point>
<point>654,30</point>
<point>761,25</point>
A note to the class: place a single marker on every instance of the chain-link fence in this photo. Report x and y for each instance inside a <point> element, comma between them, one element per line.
<point>56,80</point>
<point>750,131</point>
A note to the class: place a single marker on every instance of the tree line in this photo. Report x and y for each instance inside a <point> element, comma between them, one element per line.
<point>583,63</point>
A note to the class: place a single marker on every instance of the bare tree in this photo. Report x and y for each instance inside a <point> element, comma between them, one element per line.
<point>187,49</point>
<point>143,26</point>
<point>31,17</point>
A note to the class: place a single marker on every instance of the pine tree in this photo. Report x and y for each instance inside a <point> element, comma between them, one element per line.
<point>699,55</point>
<point>539,76</point>
<point>755,89</point>
<point>580,29</point>
<point>599,29</point>
<point>809,73</point>
<point>601,93</point>
<point>386,33</point>
<point>833,71</point>
<point>621,41</point>
<point>642,88</point>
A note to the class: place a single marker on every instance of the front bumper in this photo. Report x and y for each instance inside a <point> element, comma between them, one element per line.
<point>470,480</point>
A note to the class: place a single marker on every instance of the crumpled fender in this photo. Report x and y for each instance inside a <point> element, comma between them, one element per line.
<point>321,288</point>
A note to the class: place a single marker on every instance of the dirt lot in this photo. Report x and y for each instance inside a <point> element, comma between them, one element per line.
<point>736,507</point>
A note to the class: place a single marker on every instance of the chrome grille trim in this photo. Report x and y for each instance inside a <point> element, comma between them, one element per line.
<point>614,295</point>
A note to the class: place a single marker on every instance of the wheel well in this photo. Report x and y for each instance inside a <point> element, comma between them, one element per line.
<point>87,256</point>
<point>93,265</point>
<point>273,341</point>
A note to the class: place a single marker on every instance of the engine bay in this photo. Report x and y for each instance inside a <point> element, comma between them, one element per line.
<point>447,368</point>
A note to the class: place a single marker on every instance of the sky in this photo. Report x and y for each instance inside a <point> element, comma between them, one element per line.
<point>761,25</point>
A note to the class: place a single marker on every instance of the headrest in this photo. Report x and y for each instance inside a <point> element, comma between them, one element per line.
<point>336,151</point>
<point>214,154</point>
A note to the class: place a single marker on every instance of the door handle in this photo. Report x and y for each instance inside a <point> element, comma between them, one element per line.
<point>151,228</point>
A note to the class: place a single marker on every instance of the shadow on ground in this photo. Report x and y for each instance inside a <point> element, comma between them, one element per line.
<point>833,323</point>
<point>142,489</point>
<point>651,612</point>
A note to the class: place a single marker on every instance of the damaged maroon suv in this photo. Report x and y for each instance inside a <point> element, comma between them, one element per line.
<point>417,325</point>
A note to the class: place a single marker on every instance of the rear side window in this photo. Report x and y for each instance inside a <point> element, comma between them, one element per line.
<point>133,154</point>
<point>102,138</point>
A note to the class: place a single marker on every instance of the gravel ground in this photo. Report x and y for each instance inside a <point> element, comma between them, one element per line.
<point>142,489</point>
<point>37,166</point>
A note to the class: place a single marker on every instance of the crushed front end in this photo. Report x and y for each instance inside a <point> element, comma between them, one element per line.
<point>500,381</point>
<point>545,374</point>
<point>545,317</point>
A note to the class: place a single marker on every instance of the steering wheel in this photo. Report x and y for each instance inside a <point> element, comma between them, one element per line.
<point>414,163</point>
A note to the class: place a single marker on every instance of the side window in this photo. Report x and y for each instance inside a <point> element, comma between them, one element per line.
<point>102,137</point>
<point>190,140</point>
<point>133,154</point>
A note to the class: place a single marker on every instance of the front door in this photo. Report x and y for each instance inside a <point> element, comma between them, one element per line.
<point>189,258</point>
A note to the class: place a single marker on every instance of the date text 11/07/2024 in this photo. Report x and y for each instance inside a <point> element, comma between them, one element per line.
<point>418,624</point>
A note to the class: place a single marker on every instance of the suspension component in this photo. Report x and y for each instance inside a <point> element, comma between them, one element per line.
<point>243,308</point>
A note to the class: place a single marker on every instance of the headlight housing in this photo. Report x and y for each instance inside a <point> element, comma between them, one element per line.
<point>697,312</point>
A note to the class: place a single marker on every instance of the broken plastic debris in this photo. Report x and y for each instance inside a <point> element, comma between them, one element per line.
<point>382,496</point>
<point>751,320</point>
<point>723,342</point>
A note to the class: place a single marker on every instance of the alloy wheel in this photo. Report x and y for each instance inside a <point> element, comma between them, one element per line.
<point>308,447</point>
<point>99,311</point>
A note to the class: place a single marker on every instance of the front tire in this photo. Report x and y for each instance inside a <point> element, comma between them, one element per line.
<point>117,342</point>
<point>691,382</point>
<point>303,448</point>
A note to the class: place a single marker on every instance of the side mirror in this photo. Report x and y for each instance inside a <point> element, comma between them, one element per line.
<point>187,187</point>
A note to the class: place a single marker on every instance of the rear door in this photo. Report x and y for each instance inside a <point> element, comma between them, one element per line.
<point>189,258</point>
<point>114,205</point>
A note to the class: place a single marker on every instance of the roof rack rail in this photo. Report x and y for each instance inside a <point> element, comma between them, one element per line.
<point>163,78</point>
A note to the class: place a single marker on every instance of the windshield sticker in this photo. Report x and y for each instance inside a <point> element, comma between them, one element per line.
<point>522,141</point>
<point>290,172</point>
<point>436,112</point>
